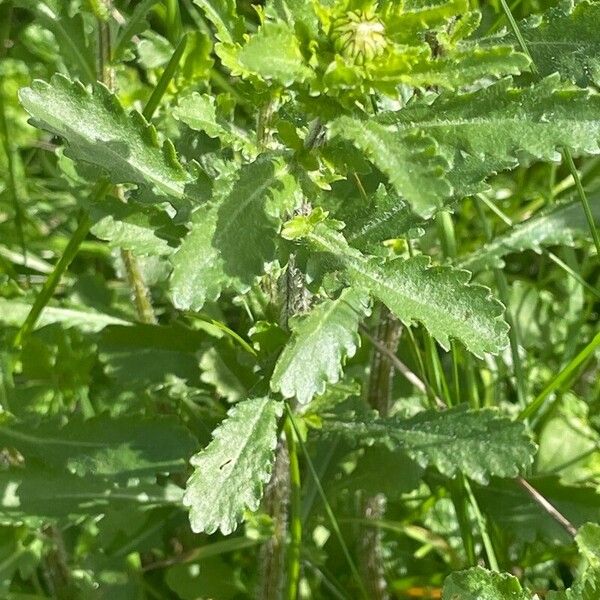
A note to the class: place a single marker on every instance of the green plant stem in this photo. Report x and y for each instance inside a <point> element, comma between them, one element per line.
<point>11,159</point>
<point>272,557</point>
<point>330,514</point>
<point>173,20</point>
<point>431,395</point>
<point>513,337</point>
<point>295,547</point>
<point>515,27</point>
<point>141,293</point>
<point>576,276</point>
<point>12,156</point>
<point>438,370</point>
<point>410,376</point>
<point>513,333</point>
<point>166,77</point>
<point>461,504</point>
<point>566,151</point>
<point>446,233</point>
<point>483,529</point>
<point>62,265</point>
<point>583,199</point>
<point>558,380</point>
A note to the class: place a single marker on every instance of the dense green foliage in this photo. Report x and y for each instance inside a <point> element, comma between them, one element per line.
<point>299,299</point>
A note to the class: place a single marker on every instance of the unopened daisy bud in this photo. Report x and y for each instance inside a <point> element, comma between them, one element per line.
<point>359,36</point>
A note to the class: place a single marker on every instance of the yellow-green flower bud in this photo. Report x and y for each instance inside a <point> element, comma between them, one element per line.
<point>359,36</point>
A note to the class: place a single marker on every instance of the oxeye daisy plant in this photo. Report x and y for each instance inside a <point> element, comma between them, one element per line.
<point>299,299</point>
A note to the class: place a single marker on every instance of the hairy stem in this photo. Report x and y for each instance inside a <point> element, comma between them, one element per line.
<point>379,396</point>
<point>276,505</point>
<point>141,293</point>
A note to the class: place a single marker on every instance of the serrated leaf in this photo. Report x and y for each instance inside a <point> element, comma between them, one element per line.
<point>223,15</point>
<point>13,312</point>
<point>500,123</point>
<point>411,161</point>
<point>199,112</point>
<point>565,40</point>
<point>406,20</point>
<point>143,229</point>
<point>480,584</point>
<point>438,297</point>
<point>117,448</point>
<point>229,474</point>
<point>463,66</point>
<point>298,13</point>
<point>99,131</point>
<point>479,443</point>
<point>273,53</point>
<point>562,224</point>
<point>226,376</point>
<point>231,242</point>
<point>387,216</point>
<point>320,343</point>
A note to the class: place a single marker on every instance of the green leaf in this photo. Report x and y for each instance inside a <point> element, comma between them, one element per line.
<point>99,131</point>
<point>565,40</point>
<point>230,472</point>
<point>223,15</point>
<point>76,44</point>
<point>143,355</point>
<point>585,587</point>
<point>231,242</point>
<point>561,224</point>
<point>273,53</point>
<point>501,124</point>
<point>588,542</point>
<point>480,584</point>
<point>298,13</point>
<point>508,505</point>
<point>30,493</point>
<point>14,312</point>
<point>386,217</point>
<point>135,24</point>
<point>118,448</point>
<point>213,575</point>
<point>143,229</point>
<point>320,343</point>
<point>411,161</point>
<point>406,20</point>
<point>479,443</point>
<point>222,369</point>
<point>465,65</point>
<point>199,112</point>
<point>438,297</point>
